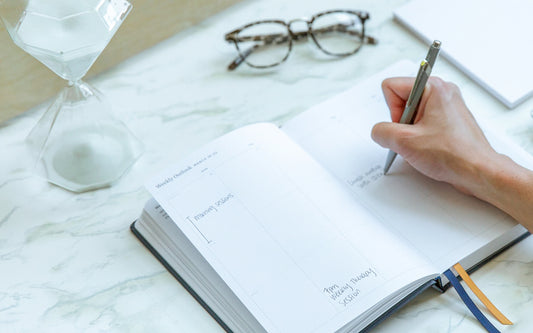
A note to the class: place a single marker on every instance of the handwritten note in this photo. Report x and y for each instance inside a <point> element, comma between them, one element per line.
<point>208,212</point>
<point>346,292</point>
<point>212,208</point>
<point>367,178</point>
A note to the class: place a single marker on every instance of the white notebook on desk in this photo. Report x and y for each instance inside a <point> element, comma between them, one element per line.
<point>489,40</point>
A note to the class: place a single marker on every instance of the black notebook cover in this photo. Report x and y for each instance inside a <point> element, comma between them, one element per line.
<point>179,278</point>
<point>443,288</point>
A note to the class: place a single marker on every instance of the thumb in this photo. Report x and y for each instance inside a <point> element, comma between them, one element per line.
<point>389,135</point>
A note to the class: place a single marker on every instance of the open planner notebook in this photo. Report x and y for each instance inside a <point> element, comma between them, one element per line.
<point>297,230</point>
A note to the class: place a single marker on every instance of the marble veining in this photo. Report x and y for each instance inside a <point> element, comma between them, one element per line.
<point>69,263</point>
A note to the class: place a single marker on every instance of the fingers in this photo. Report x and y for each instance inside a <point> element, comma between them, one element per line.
<point>396,91</point>
<point>392,135</point>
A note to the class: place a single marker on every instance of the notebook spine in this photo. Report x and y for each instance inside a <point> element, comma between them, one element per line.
<point>179,278</point>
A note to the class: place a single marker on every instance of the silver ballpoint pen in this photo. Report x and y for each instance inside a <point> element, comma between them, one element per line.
<point>411,107</point>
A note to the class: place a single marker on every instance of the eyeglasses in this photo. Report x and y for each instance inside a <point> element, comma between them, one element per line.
<point>267,43</point>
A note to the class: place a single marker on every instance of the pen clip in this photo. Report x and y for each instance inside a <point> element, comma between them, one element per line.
<point>424,68</point>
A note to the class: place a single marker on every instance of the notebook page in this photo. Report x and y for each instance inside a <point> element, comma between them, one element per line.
<point>441,223</point>
<point>489,40</point>
<point>290,242</point>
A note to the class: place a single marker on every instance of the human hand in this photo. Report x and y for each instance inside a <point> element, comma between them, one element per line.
<point>445,142</point>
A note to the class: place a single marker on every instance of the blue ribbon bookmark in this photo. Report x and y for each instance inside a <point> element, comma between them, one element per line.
<point>469,303</point>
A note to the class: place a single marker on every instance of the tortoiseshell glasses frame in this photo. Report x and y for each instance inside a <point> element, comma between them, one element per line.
<point>348,23</point>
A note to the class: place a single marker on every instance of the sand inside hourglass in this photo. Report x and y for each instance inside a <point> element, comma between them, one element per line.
<point>88,157</point>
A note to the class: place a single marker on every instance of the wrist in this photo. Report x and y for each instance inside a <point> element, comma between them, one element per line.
<point>493,177</point>
<point>506,185</point>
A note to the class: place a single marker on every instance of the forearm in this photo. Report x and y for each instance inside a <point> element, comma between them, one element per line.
<point>508,186</point>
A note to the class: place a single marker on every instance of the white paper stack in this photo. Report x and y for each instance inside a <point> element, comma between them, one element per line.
<point>489,40</point>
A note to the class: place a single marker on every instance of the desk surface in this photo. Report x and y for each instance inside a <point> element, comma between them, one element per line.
<point>69,262</point>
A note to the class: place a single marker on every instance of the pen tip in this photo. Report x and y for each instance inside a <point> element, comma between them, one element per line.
<point>390,158</point>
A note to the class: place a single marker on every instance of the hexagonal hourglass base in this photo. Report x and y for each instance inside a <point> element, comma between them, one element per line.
<point>78,144</point>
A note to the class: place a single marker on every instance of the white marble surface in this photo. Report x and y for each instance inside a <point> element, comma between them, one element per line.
<point>69,263</point>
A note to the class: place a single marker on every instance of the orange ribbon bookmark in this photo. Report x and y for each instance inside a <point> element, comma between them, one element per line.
<point>495,312</point>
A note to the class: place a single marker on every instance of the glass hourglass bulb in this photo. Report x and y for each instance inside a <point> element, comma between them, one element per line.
<point>78,144</point>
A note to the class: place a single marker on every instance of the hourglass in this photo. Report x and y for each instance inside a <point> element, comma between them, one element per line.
<point>77,144</point>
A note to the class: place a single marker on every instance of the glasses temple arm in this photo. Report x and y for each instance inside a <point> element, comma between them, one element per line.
<point>266,39</point>
<point>280,38</point>
<point>342,28</point>
<point>240,58</point>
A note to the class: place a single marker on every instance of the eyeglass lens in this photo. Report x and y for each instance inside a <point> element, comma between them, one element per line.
<point>264,44</point>
<point>338,33</point>
<point>267,44</point>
